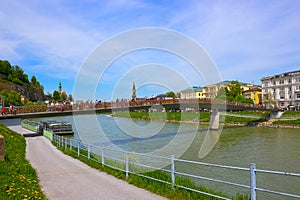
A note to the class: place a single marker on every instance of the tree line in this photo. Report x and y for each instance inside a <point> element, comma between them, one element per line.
<point>15,84</point>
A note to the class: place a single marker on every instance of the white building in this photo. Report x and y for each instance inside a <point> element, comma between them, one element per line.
<point>282,90</point>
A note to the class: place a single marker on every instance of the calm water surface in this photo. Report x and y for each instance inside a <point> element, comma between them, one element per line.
<point>268,148</point>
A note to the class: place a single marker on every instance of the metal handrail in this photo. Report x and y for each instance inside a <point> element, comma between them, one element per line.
<point>63,142</point>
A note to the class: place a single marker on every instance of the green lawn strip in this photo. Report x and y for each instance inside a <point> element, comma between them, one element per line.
<point>151,185</point>
<point>241,120</point>
<point>291,114</point>
<point>162,116</point>
<point>262,114</point>
<point>18,180</point>
<point>193,116</point>
<point>286,122</point>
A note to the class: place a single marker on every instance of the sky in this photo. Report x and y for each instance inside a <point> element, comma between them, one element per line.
<point>246,40</point>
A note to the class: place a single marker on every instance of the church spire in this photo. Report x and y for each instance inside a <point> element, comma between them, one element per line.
<point>133,92</point>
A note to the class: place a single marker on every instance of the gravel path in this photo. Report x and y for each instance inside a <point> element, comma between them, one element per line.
<point>63,177</point>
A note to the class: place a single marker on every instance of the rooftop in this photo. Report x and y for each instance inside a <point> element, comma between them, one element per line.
<point>281,75</point>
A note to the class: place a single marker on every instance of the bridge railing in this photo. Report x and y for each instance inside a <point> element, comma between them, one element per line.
<point>137,163</point>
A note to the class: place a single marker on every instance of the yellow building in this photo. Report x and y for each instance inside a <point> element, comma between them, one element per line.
<point>248,90</point>
<point>254,93</point>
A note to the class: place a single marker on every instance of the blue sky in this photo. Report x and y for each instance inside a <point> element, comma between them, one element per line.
<point>246,40</point>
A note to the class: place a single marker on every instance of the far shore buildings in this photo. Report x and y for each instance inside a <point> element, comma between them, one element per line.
<point>282,90</point>
<point>210,91</point>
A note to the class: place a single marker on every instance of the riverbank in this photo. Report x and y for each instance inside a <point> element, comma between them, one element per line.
<point>230,119</point>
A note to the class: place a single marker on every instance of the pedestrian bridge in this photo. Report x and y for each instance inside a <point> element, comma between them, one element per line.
<point>215,107</point>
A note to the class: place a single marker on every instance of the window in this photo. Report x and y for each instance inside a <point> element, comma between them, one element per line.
<point>281,81</point>
<point>290,80</point>
<point>298,96</point>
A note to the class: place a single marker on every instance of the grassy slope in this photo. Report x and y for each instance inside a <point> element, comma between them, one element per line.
<point>18,180</point>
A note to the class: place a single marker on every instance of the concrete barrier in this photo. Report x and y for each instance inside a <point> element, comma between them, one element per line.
<point>1,147</point>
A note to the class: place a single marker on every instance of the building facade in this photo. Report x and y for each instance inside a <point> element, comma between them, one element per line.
<point>282,90</point>
<point>191,93</point>
<point>249,91</point>
<point>254,93</point>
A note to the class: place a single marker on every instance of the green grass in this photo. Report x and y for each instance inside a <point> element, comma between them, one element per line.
<point>194,116</point>
<point>287,122</point>
<point>151,185</point>
<point>18,180</point>
<point>171,116</point>
<point>262,114</point>
<point>291,114</point>
<point>242,120</point>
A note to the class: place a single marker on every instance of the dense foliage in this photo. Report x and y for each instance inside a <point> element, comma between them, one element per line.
<point>233,93</point>
<point>18,179</point>
<point>14,83</point>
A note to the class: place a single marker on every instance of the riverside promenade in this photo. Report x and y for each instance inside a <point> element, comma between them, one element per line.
<point>63,177</point>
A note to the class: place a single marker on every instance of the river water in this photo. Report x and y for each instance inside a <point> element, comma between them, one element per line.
<point>269,148</point>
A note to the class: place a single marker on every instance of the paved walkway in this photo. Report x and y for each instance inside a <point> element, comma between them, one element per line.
<point>63,177</point>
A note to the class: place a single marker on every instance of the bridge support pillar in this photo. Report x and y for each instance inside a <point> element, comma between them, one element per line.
<point>214,119</point>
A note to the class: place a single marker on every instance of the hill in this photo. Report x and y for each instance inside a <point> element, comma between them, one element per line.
<point>16,87</point>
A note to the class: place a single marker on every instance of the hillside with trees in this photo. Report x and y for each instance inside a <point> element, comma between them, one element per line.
<point>16,87</point>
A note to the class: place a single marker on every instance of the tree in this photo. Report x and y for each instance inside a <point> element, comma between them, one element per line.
<point>234,90</point>
<point>63,96</point>
<point>11,97</point>
<point>5,67</point>
<point>56,95</point>
<point>242,99</point>
<point>170,94</point>
<point>177,95</point>
<point>33,80</point>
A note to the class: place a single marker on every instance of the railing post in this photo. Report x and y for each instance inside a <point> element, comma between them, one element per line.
<point>102,156</point>
<point>66,143</point>
<point>71,144</point>
<point>126,164</point>
<point>58,141</point>
<point>173,171</point>
<point>89,151</point>
<point>78,149</point>
<point>253,181</point>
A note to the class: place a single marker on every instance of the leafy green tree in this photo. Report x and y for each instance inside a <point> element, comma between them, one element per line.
<point>56,95</point>
<point>10,77</point>
<point>17,81</point>
<point>5,67</point>
<point>170,94</point>
<point>11,97</point>
<point>234,90</point>
<point>63,96</point>
<point>242,99</point>
<point>33,80</point>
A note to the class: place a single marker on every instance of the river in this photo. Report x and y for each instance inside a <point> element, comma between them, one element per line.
<point>269,148</point>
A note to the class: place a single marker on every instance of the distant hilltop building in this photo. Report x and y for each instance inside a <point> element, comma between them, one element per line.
<point>282,90</point>
<point>133,96</point>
